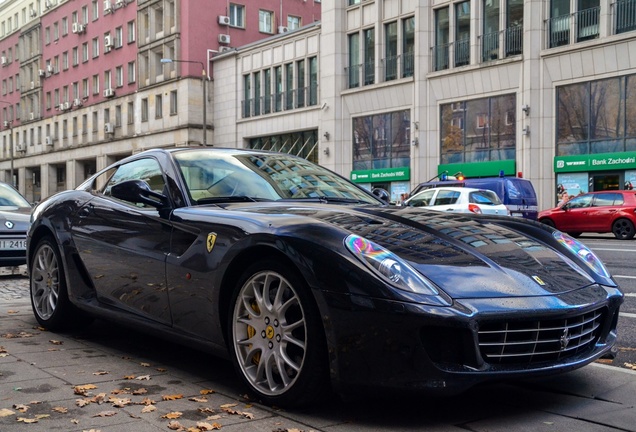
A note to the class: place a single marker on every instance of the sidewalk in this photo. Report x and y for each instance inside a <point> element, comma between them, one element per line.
<point>108,378</point>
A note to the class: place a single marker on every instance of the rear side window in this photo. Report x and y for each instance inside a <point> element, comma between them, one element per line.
<point>484,197</point>
<point>608,199</point>
<point>446,197</point>
<point>422,199</point>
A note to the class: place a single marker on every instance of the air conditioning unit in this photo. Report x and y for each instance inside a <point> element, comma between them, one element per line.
<point>107,6</point>
<point>108,41</point>
<point>41,72</point>
<point>21,147</point>
<point>3,60</point>
<point>224,20</point>
<point>224,38</point>
<point>65,106</point>
<point>33,13</point>
<point>48,141</point>
<point>77,102</point>
<point>5,123</point>
<point>49,68</point>
<point>77,28</point>
<point>283,29</point>
<point>119,4</point>
<point>109,92</point>
<point>108,128</point>
<point>32,85</point>
<point>225,49</point>
<point>31,116</point>
<point>48,4</point>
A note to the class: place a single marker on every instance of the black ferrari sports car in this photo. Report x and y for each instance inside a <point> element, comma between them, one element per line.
<point>307,282</point>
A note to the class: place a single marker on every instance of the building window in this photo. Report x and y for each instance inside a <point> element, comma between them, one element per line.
<point>95,9</point>
<point>56,31</point>
<point>278,88</point>
<point>94,121</point>
<point>369,56</point>
<point>293,22</point>
<point>267,91</point>
<point>158,106</point>
<point>119,76</point>
<point>84,124</point>
<point>64,26</point>
<point>247,95</point>
<point>95,84</point>
<point>442,32</point>
<point>585,18</point>
<point>144,110</point>
<point>391,51</point>
<point>289,86</point>
<point>407,64</point>
<point>301,91</point>
<point>462,33</point>
<point>237,15</point>
<point>173,102</point>
<point>597,117</point>
<point>130,30</point>
<point>131,72</point>
<point>85,52</point>
<point>257,93</point>
<point>354,60</point>
<point>265,21</point>
<point>130,112</point>
<point>118,116</point>
<point>303,144</point>
<point>382,141</point>
<point>85,88</point>
<point>478,130</point>
<point>95,47</point>
<point>65,60</point>
<point>313,81</point>
<point>118,35</point>
<point>108,79</point>
<point>75,56</point>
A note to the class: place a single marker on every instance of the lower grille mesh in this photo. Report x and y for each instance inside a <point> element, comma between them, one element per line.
<point>535,341</point>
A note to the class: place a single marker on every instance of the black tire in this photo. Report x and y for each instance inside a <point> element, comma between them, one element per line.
<point>547,222</point>
<point>274,324</point>
<point>48,290</point>
<point>623,229</point>
<point>575,234</point>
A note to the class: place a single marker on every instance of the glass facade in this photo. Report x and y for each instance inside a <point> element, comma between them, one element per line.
<point>382,141</point>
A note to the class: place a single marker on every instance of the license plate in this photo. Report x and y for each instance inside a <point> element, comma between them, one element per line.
<point>12,244</point>
<point>515,214</point>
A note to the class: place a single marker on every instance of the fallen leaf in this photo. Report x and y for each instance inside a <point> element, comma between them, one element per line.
<point>100,373</point>
<point>60,410</point>
<point>248,415</point>
<point>175,425</point>
<point>172,415</point>
<point>82,402</point>
<point>56,342</point>
<point>41,416</point>
<point>171,397</point>
<point>214,417</point>
<point>206,392</point>
<point>27,420</point>
<point>631,366</point>
<point>162,370</point>
<point>149,408</point>
<point>139,391</point>
<point>205,426</point>
<point>75,421</point>
<point>105,414</point>
<point>143,377</point>
<point>230,405</point>
<point>129,377</point>
<point>146,401</point>
<point>11,311</point>
<point>145,364</point>
<point>6,412</point>
<point>21,407</point>
<point>119,402</point>
<point>198,399</point>
<point>206,410</point>
<point>83,389</point>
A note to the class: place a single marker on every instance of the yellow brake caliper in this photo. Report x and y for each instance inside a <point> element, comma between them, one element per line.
<point>251,332</point>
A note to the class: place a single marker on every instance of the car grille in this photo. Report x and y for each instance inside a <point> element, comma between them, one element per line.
<point>536,341</point>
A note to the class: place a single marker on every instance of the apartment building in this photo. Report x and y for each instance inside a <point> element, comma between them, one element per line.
<point>388,93</point>
<point>87,82</point>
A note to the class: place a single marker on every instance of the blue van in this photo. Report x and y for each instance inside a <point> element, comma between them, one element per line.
<point>516,193</point>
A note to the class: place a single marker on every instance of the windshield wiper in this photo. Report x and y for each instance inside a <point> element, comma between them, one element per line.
<point>232,198</point>
<point>329,200</point>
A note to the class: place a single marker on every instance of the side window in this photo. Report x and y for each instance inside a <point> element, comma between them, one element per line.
<point>422,199</point>
<point>582,201</point>
<point>605,199</point>
<point>446,197</point>
<point>147,170</point>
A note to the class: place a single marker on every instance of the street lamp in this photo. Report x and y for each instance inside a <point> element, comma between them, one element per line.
<point>9,123</point>
<point>204,76</point>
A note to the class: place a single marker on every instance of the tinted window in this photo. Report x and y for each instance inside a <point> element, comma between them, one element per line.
<point>580,201</point>
<point>445,197</point>
<point>608,199</point>
<point>147,170</point>
<point>484,197</point>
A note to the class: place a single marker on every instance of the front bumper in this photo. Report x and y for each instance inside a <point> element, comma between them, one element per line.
<point>396,345</point>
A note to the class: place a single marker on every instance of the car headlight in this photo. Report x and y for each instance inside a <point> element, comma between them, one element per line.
<point>583,252</point>
<point>392,268</point>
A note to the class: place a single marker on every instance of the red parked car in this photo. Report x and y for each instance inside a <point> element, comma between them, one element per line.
<point>597,212</point>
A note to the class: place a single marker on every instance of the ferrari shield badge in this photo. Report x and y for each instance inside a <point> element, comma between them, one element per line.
<point>538,280</point>
<point>210,241</point>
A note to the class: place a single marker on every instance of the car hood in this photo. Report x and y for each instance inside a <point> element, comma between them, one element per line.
<point>18,216</point>
<point>467,257</point>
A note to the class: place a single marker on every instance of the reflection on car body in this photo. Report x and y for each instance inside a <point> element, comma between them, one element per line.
<point>308,282</point>
<point>459,200</point>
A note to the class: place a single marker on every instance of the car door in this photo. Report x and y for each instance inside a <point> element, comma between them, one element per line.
<point>603,210</point>
<point>123,245</point>
<point>575,214</point>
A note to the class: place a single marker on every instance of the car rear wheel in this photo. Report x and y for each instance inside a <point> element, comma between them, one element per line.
<point>277,342</point>
<point>49,295</point>
<point>623,229</point>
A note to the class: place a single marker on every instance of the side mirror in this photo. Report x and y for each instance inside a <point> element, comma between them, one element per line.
<point>382,194</point>
<point>138,191</point>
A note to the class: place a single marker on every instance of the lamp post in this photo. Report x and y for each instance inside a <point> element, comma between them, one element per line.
<point>9,123</point>
<point>204,76</point>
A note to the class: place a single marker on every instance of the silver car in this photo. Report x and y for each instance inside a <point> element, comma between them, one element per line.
<point>15,215</point>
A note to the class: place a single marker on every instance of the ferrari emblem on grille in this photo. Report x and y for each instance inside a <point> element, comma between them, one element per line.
<point>565,339</point>
<point>8,224</point>
<point>210,242</point>
<point>538,280</point>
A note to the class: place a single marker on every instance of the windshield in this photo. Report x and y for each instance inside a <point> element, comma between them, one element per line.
<point>213,175</point>
<point>9,197</point>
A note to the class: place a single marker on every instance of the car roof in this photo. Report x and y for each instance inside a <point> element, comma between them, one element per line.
<point>455,188</point>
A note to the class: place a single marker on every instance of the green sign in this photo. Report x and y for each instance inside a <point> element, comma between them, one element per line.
<point>595,162</point>
<point>480,169</point>
<point>381,175</point>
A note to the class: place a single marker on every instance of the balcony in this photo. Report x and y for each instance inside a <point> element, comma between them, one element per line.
<point>491,42</point>
<point>283,101</point>
<point>624,16</point>
<point>440,55</point>
<point>584,25</point>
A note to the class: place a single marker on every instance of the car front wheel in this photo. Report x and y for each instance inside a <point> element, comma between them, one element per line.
<point>49,296</point>
<point>623,229</point>
<point>277,341</point>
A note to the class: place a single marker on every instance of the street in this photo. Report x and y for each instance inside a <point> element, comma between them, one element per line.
<point>110,378</point>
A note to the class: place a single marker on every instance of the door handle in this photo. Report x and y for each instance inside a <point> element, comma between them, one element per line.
<point>85,211</point>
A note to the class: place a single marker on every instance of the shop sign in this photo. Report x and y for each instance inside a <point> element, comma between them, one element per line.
<point>381,175</point>
<point>595,162</point>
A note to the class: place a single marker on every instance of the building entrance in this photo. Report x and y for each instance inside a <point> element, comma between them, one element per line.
<point>601,182</point>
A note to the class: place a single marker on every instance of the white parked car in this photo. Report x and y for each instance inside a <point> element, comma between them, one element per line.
<point>459,200</point>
